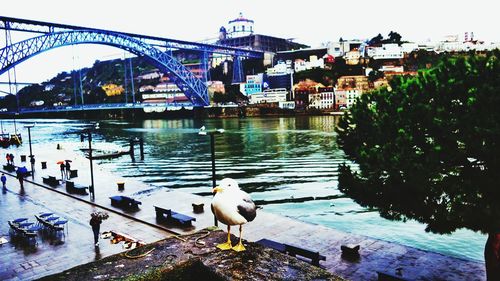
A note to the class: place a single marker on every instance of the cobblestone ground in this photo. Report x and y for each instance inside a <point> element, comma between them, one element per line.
<point>75,247</point>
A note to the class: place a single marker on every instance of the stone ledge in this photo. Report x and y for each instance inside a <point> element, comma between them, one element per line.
<point>193,256</point>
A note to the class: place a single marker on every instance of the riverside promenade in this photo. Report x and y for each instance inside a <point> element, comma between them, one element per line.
<point>76,247</point>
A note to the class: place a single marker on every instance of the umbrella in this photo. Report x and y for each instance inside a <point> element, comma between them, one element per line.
<point>22,170</point>
<point>68,160</point>
<point>60,162</point>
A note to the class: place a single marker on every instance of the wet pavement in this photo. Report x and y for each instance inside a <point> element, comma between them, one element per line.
<point>76,246</point>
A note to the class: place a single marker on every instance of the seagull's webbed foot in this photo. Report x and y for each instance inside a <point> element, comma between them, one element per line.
<point>239,247</point>
<point>227,245</point>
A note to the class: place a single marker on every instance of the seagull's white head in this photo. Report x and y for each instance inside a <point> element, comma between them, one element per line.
<point>226,184</point>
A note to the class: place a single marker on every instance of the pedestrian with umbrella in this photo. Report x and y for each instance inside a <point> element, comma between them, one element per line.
<point>96,219</point>
<point>20,173</point>
<point>62,167</point>
<point>68,169</point>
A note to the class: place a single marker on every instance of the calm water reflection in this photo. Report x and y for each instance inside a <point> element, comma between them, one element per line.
<point>288,165</point>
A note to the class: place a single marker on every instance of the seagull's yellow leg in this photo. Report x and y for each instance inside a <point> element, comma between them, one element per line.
<point>239,247</point>
<point>227,245</point>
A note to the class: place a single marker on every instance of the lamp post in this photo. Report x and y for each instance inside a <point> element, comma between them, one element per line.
<point>202,132</point>
<point>31,151</point>
<point>91,188</point>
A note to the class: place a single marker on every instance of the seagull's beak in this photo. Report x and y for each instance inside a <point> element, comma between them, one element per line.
<point>217,189</point>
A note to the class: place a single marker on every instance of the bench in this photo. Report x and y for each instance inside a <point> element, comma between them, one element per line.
<point>78,189</point>
<point>168,215</point>
<point>385,276</point>
<point>73,173</point>
<point>50,180</point>
<point>280,247</point>
<point>124,202</point>
<point>314,256</point>
<point>293,250</point>
<point>9,167</point>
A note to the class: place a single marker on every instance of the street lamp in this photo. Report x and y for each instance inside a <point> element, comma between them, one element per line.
<point>31,151</point>
<point>202,132</point>
<point>89,137</point>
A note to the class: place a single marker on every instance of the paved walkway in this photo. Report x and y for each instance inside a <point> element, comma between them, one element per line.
<point>376,255</point>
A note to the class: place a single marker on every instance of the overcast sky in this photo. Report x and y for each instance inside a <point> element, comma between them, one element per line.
<point>310,22</point>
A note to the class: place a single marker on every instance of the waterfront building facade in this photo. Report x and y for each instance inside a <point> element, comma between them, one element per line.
<point>323,99</point>
<point>346,97</point>
<point>269,96</point>
<point>253,84</point>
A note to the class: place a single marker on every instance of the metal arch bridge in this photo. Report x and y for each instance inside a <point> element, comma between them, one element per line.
<point>157,50</point>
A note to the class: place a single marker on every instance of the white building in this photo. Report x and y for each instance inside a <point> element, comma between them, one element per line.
<point>269,96</point>
<point>280,68</point>
<point>286,104</point>
<point>314,62</point>
<point>146,88</point>
<point>323,99</point>
<point>339,49</point>
<point>240,27</point>
<point>151,75</point>
<point>392,68</point>
<point>350,95</point>
<point>166,88</point>
<point>386,51</point>
<point>409,47</point>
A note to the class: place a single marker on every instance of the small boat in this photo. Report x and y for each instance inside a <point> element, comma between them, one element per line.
<point>108,155</point>
<point>4,140</point>
<point>16,139</point>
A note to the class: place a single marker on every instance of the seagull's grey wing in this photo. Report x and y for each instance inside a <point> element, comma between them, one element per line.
<point>247,208</point>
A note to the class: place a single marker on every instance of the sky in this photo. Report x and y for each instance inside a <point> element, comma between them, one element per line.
<point>310,22</point>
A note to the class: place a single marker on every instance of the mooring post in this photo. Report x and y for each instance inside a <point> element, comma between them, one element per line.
<point>131,141</point>
<point>141,148</point>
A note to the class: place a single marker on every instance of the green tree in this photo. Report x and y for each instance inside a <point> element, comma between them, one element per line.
<point>394,37</point>
<point>428,149</point>
<point>377,40</point>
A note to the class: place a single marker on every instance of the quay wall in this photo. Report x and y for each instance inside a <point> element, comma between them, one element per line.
<point>139,114</point>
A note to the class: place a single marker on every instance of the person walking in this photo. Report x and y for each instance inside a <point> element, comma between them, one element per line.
<point>32,161</point>
<point>3,178</point>
<point>20,177</point>
<point>68,170</point>
<point>62,167</point>
<point>7,156</point>
<point>95,222</point>
<point>12,159</point>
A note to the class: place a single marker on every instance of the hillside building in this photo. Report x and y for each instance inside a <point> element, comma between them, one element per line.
<point>240,33</point>
<point>323,99</point>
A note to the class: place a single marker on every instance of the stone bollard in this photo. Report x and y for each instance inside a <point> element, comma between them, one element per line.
<point>44,164</point>
<point>198,208</point>
<point>121,186</point>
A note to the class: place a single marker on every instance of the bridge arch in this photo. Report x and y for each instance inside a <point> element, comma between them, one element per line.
<point>194,88</point>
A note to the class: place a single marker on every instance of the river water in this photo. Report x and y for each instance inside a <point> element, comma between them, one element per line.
<point>287,164</point>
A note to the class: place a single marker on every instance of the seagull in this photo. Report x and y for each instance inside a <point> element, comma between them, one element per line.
<point>232,206</point>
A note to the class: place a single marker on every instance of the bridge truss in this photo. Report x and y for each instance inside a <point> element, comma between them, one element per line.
<point>157,50</point>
